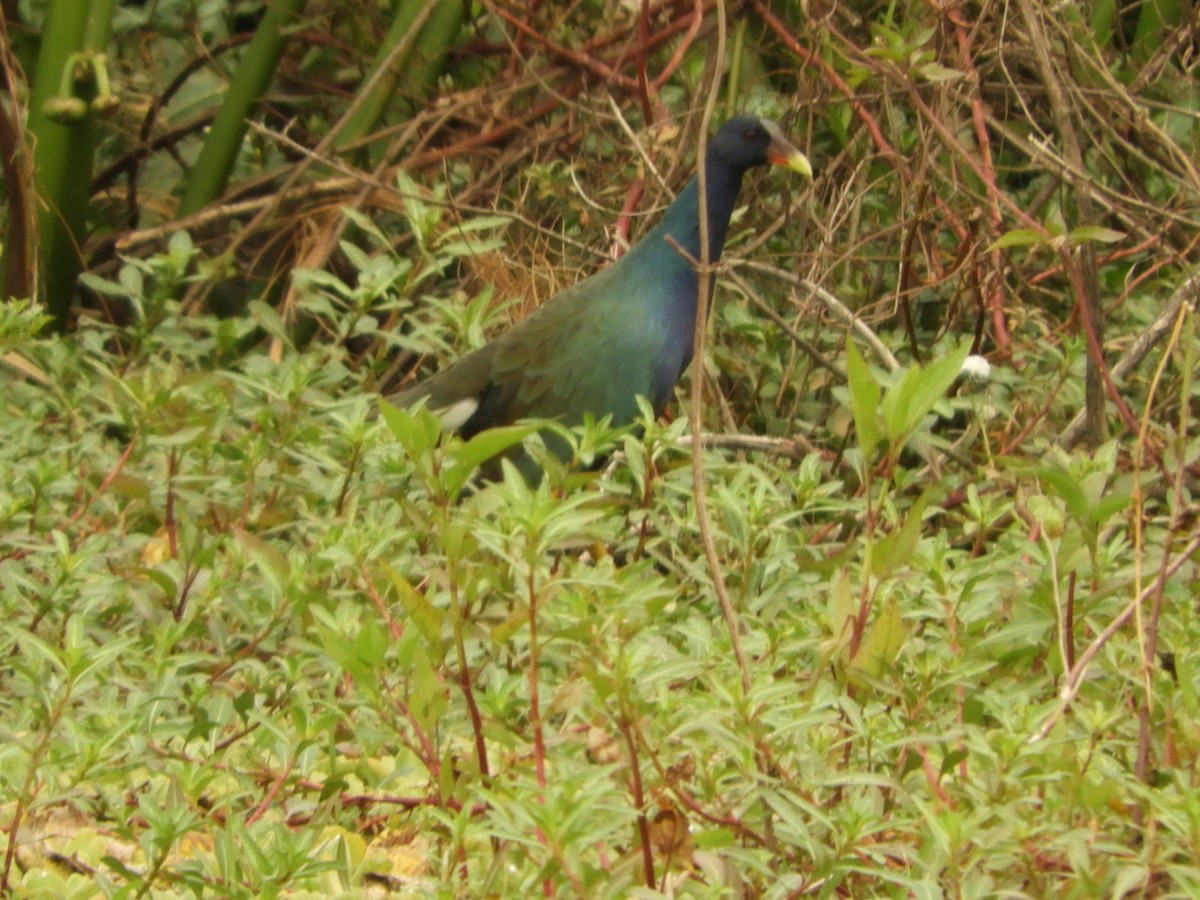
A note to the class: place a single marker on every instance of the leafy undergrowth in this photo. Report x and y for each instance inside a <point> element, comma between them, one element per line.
<point>260,640</point>
<point>264,641</point>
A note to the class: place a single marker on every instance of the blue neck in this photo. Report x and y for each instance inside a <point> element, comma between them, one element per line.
<point>681,222</point>
<point>663,259</point>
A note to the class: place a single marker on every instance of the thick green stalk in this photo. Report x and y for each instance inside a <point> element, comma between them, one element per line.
<point>18,250</point>
<point>436,39</point>
<point>1156,19</point>
<point>422,32</point>
<point>75,31</point>
<point>211,172</point>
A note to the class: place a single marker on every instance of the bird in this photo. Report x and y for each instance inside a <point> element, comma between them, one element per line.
<point>622,332</point>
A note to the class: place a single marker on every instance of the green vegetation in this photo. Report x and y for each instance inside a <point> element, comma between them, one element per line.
<point>262,640</point>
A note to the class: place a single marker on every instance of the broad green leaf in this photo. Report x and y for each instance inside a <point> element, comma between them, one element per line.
<point>907,402</point>
<point>895,550</point>
<point>1047,514</point>
<point>1063,484</point>
<point>427,617</point>
<point>952,759</point>
<point>842,607</point>
<point>425,687</point>
<point>471,455</point>
<point>1085,233</point>
<point>894,406</point>
<point>479,223</point>
<point>1131,880</point>
<point>262,552</point>
<point>469,246</point>
<point>880,648</point>
<point>864,402</point>
<point>840,115</point>
<point>104,285</point>
<point>341,650</point>
<point>371,644</point>
<point>1108,506</point>
<point>358,258</point>
<point>182,438</point>
<point>1103,15</point>
<point>417,432</point>
<point>270,320</point>
<point>33,646</point>
<point>129,486</point>
<point>937,73</point>
<point>446,780</point>
<point>367,225</point>
<point>1019,237</point>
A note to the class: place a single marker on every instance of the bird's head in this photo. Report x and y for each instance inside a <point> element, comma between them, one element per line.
<point>745,141</point>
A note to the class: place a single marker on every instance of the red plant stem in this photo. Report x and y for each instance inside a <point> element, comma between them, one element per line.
<point>639,799</point>
<point>1117,255</point>
<point>1068,625</point>
<point>685,44</point>
<point>691,803</point>
<point>827,71</point>
<point>468,693</point>
<point>396,629</point>
<point>932,779</point>
<point>277,784</point>
<point>643,81</point>
<point>535,713</point>
<point>633,196</point>
<point>1016,442</point>
<point>107,482</point>
<point>169,516</point>
<point>494,134</point>
<point>994,300</point>
<point>1075,273</point>
<point>596,67</point>
<point>1069,263</point>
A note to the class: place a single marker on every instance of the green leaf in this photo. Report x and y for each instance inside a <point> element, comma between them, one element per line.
<point>952,759</point>
<point>270,321</point>
<point>894,407</point>
<point>840,115</point>
<point>937,73</point>
<point>896,550</point>
<point>425,686</point>
<point>469,456</point>
<point>262,552</point>
<point>342,651</point>
<point>911,399</point>
<point>367,225</point>
<point>479,223</point>
<point>1108,506</point>
<point>1131,880</point>
<point>864,401</point>
<point>880,648</point>
<point>103,285</point>
<point>427,617</point>
<point>841,609</point>
<point>1065,485</point>
<point>1019,237</point>
<point>418,432</point>
<point>184,437</point>
<point>371,644</point>
<point>469,247</point>
<point>1085,233</point>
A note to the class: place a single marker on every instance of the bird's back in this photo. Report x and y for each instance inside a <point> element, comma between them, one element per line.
<point>623,332</point>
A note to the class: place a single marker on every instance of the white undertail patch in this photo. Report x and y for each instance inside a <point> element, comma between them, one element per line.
<point>456,415</point>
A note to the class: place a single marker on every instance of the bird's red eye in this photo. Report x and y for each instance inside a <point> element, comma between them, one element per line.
<point>750,135</point>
